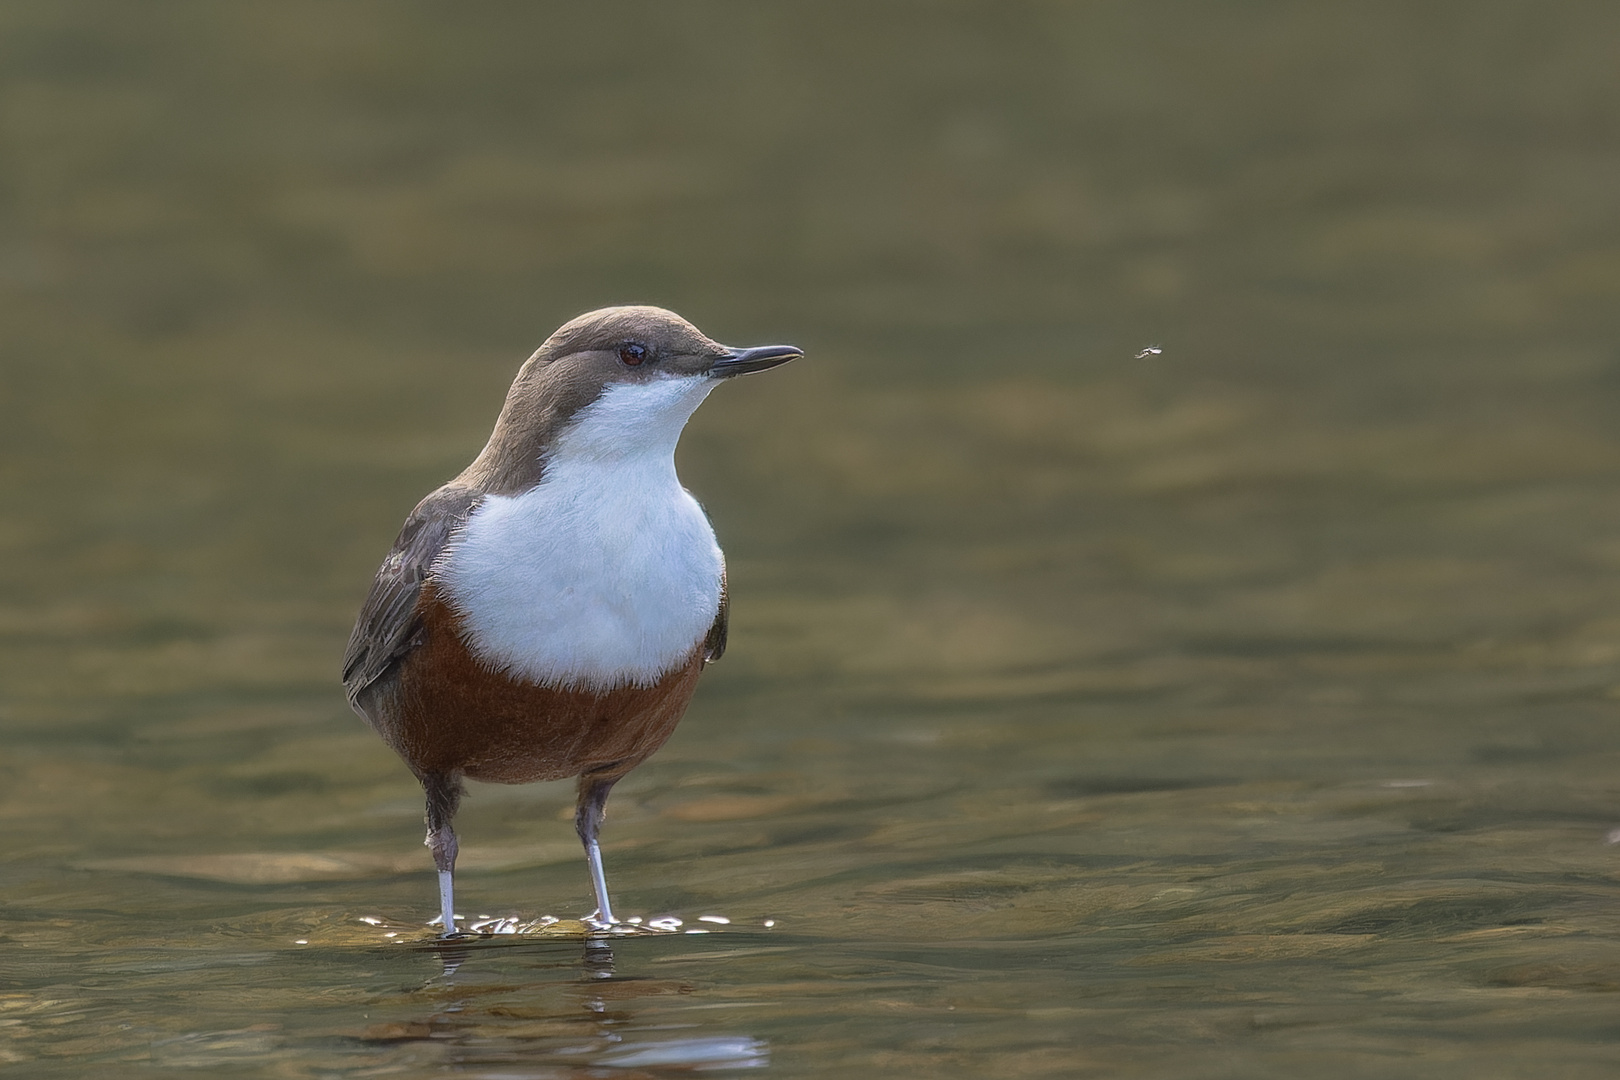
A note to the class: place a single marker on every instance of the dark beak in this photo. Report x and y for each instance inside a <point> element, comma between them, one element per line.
<point>747,361</point>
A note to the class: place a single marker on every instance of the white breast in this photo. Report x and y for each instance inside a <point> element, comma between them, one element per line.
<point>607,572</point>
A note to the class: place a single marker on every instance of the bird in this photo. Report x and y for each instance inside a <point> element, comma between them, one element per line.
<point>546,613</point>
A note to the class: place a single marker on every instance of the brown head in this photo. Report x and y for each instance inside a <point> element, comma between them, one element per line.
<point>579,363</point>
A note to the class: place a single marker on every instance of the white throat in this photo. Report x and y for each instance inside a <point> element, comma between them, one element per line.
<point>606,573</point>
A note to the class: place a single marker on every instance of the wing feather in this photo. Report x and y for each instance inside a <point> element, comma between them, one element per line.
<point>714,644</point>
<point>387,628</point>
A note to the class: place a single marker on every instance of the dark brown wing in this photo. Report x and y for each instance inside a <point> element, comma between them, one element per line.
<point>714,645</point>
<point>387,627</point>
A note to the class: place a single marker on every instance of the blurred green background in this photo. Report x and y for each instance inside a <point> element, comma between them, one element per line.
<point>1242,709</point>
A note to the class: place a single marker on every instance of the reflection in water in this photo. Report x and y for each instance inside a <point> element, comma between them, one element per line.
<point>574,1027</point>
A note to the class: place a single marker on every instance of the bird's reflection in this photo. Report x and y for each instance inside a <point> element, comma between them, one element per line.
<point>571,1011</point>
<point>598,958</point>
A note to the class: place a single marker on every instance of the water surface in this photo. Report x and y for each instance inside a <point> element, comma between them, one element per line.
<point>1245,709</point>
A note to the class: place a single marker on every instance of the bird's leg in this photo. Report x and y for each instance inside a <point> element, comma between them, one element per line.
<point>593,793</point>
<point>443,796</point>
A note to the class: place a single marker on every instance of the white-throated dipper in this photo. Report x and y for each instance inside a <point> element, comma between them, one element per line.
<point>546,614</point>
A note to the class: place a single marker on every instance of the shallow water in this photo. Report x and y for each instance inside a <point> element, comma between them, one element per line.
<point>1244,709</point>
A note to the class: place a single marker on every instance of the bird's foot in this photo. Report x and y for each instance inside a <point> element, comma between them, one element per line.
<point>595,921</point>
<point>455,931</point>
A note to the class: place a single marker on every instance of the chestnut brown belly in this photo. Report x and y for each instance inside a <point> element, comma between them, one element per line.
<point>453,713</point>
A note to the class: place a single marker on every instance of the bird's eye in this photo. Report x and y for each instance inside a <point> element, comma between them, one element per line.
<point>632,354</point>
